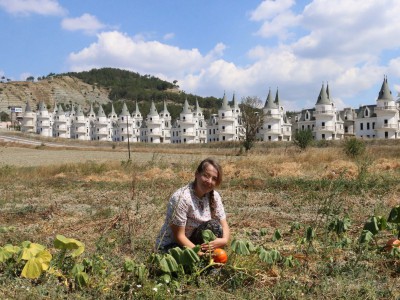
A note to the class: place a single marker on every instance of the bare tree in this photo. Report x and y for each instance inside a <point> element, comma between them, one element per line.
<point>252,119</point>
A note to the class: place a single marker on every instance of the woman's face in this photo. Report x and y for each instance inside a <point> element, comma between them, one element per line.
<point>206,180</point>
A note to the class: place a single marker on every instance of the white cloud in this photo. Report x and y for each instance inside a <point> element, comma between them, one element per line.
<point>87,23</point>
<point>269,9</point>
<point>169,36</point>
<point>27,7</point>
<point>148,57</point>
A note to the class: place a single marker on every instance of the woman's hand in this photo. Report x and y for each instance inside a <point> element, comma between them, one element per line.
<point>211,246</point>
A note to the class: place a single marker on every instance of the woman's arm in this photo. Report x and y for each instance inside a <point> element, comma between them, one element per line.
<point>180,237</point>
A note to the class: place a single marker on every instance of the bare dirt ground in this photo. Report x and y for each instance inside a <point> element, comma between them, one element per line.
<point>30,157</point>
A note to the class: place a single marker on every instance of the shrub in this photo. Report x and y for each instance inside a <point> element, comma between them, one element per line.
<point>354,147</point>
<point>303,138</point>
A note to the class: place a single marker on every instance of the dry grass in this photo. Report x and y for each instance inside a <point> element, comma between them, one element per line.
<point>117,207</point>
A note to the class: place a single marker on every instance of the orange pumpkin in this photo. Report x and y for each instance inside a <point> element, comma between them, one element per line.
<point>392,243</point>
<point>220,256</point>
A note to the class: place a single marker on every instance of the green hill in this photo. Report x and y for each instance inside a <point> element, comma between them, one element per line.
<point>126,86</point>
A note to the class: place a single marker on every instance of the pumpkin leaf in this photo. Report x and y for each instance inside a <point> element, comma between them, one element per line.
<point>63,243</point>
<point>366,237</point>
<point>81,279</point>
<point>240,247</point>
<point>189,257</point>
<point>168,264</point>
<point>208,235</point>
<point>394,215</point>
<point>32,268</point>
<point>31,250</point>
<point>277,235</point>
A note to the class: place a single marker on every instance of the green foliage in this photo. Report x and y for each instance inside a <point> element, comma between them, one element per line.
<point>303,138</point>
<point>354,147</point>
<point>129,87</point>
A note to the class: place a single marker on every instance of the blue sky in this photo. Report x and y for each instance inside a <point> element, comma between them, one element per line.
<point>214,46</point>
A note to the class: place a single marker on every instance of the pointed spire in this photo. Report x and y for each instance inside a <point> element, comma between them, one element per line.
<point>323,97</point>
<point>385,93</point>
<point>327,91</point>
<point>125,111</point>
<point>269,103</point>
<point>277,98</point>
<point>112,109</point>
<point>101,112</point>
<point>79,112</point>
<point>60,110</point>
<point>136,108</point>
<point>91,113</point>
<point>186,109</point>
<point>225,105</point>
<point>235,104</point>
<point>198,109</point>
<point>153,110</point>
<point>28,107</point>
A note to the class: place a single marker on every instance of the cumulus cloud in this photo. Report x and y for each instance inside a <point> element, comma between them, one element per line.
<point>87,23</point>
<point>327,41</point>
<point>27,7</point>
<point>117,49</point>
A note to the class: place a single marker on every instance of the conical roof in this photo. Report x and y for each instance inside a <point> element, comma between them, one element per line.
<point>153,110</point>
<point>91,112</point>
<point>269,103</point>
<point>101,112</point>
<point>277,98</point>
<point>165,110</point>
<point>235,104</point>
<point>198,108</point>
<point>323,97</point>
<point>186,108</point>
<point>125,111</point>
<point>60,111</point>
<point>137,112</point>
<point>28,107</point>
<point>225,105</point>
<point>385,93</point>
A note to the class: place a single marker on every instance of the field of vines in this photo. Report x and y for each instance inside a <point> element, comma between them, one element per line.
<point>305,224</point>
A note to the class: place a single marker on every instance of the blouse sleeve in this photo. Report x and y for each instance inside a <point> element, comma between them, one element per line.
<point>178,209</point>
<point>219,207</point>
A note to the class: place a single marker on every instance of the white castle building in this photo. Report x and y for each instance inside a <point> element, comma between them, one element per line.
<point>326,122</point>
<point>190,127</point>
<point>379,121</point>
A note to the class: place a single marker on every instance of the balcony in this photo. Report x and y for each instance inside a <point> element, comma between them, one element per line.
<point>386,107</point>
<point>274,131</point>
<point>324,128</point>
<point>270,115</point>
<point>324,112</point>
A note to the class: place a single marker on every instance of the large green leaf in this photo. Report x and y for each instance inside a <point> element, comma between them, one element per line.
<point>31,251</point>
<point>394,215</point>
<point>176,253</point>
<point>366,237</point>
<point>372,225</point>
<point>81,279</point>
<point>7,252</point>
<point>63,243</point>
<point>189,257</point>
<point>208,236</point>
<point>240,247</point>
<point>168,264</point>
<point>36,265</point>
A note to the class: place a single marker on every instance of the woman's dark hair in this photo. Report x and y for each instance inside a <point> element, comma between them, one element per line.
<point>200,169</point>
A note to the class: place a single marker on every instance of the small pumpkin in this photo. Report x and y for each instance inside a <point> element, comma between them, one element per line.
<point>392,243</point>
<point>220,256</point>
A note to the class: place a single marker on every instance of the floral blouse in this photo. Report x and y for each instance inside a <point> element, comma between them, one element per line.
<point>186,209</point>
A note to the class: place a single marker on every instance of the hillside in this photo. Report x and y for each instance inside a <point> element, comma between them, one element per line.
<point>102,86</point>
<point>62,89</point>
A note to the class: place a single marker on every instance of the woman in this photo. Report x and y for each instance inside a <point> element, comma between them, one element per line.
<point>194,208</point>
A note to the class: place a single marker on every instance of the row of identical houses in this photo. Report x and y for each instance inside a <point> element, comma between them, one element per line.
<point>324,120</point>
